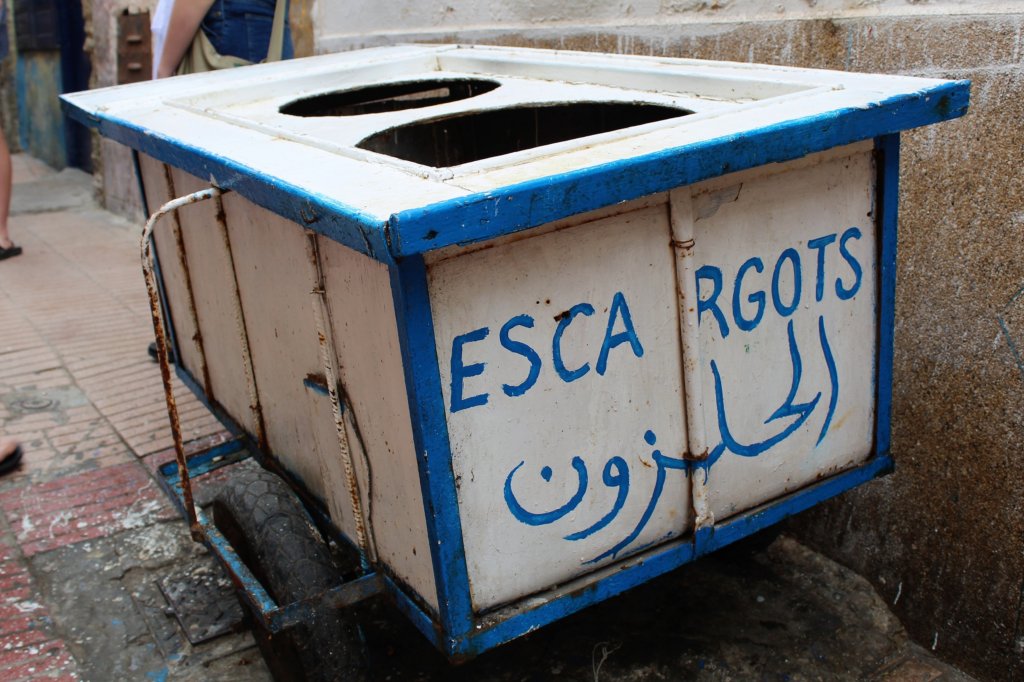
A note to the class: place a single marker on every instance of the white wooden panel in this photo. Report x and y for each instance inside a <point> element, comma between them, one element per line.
<point>275,283</point>
<point>786,273</point>
<point>175,290</point>
<point>213,290</point>
<point>551,414</point>
<point>370,361</point>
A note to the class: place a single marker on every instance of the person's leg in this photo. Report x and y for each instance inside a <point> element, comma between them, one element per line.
<point>5,192</point>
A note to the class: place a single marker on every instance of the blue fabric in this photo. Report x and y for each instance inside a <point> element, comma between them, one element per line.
<point>241,28</point>
<point>5,46</point>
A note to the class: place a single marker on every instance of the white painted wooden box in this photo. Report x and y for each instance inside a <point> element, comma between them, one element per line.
<point>593,315</point>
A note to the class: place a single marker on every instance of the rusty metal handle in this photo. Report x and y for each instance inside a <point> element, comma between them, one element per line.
<point>161,346</point>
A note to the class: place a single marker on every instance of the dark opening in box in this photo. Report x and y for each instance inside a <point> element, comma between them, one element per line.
<point>376,99</point>
<point>477,135</point>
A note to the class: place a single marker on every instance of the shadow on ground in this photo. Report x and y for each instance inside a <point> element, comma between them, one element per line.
<point>786,613</point>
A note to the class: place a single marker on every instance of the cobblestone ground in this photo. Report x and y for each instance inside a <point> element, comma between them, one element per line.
<point>91,552</point>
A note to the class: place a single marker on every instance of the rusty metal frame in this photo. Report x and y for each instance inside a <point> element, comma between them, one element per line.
<point>159,330</point>
<point>328,359</point>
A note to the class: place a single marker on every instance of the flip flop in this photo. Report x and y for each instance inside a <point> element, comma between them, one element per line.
<point>10,251</point>
<point>11,461</point>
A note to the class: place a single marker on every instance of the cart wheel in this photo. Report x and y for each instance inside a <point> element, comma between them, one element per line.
<point>269,528</point>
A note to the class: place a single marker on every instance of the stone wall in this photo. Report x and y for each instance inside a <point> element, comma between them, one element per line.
<point>113,169</point>
<point>8,92</point>
<point>114,172</point>
<point>943,538</point>
<point>41,124</point>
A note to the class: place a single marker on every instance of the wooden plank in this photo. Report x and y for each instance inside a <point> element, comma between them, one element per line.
<point>561,370</point>
<point>213,291</point>
<point>369,357</point>
<point>787,282</point>
<point>274,281</point>
<point>158,192</point>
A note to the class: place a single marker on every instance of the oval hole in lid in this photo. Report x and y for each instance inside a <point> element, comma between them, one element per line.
<point>384,97</point>
<point>476,135</point>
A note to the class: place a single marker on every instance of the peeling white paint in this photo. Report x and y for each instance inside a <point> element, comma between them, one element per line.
<point>59,520</point>
<point>26,526</point>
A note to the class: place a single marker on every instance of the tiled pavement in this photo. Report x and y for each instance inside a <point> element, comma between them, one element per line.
<point>87,538</point>
<point>80,392</point>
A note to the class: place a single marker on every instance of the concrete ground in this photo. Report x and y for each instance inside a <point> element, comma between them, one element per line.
<point>96,569</point>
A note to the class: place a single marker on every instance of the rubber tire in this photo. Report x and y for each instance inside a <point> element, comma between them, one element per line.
<point>274,536</point>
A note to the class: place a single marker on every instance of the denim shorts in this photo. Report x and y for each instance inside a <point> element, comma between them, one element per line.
<point>241,28</point>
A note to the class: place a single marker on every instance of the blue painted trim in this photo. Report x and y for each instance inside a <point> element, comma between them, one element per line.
<point>420,619</point>
<point>319,389</point>
<point>344,224</point>
<point>206,461</point>
<point>253,590</point>
<point>702,538</point>
<point>652,564</point>
<point>433,450</point>
<point>487,215</point>
<point>773,512</point>
<point>664,559</point>
<point>888,150</point>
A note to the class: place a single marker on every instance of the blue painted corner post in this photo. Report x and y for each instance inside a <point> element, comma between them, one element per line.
<point>433,451</point>
<point>887,149</point>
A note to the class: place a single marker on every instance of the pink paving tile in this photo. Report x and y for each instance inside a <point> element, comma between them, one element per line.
<point>80,507</point>
<point>28,649</point>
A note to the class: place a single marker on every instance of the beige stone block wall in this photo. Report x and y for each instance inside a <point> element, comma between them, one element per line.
<point>114,171</point>
<point>943,538</point>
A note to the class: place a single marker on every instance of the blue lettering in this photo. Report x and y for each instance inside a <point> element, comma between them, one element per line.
<point>460,371</point>
<point>556,343</point>
<point>841,291</point>
<point>793,257</point>
<point>710,272</point>
<point>619,309</point>
<point>544,518</point>
<point>820,244</point>
<point>523,349</point>
<point>757,297</point>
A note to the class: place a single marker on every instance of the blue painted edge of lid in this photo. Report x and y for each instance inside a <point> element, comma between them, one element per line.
<point>486,215</point>
<point>356,229</point>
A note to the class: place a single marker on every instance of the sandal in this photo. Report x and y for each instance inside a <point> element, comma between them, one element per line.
<point>11,461</point>
<point>10,251</point>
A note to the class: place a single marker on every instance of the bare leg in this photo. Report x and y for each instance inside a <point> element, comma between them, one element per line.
<point>5,191</point>
<point>7,447</point>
